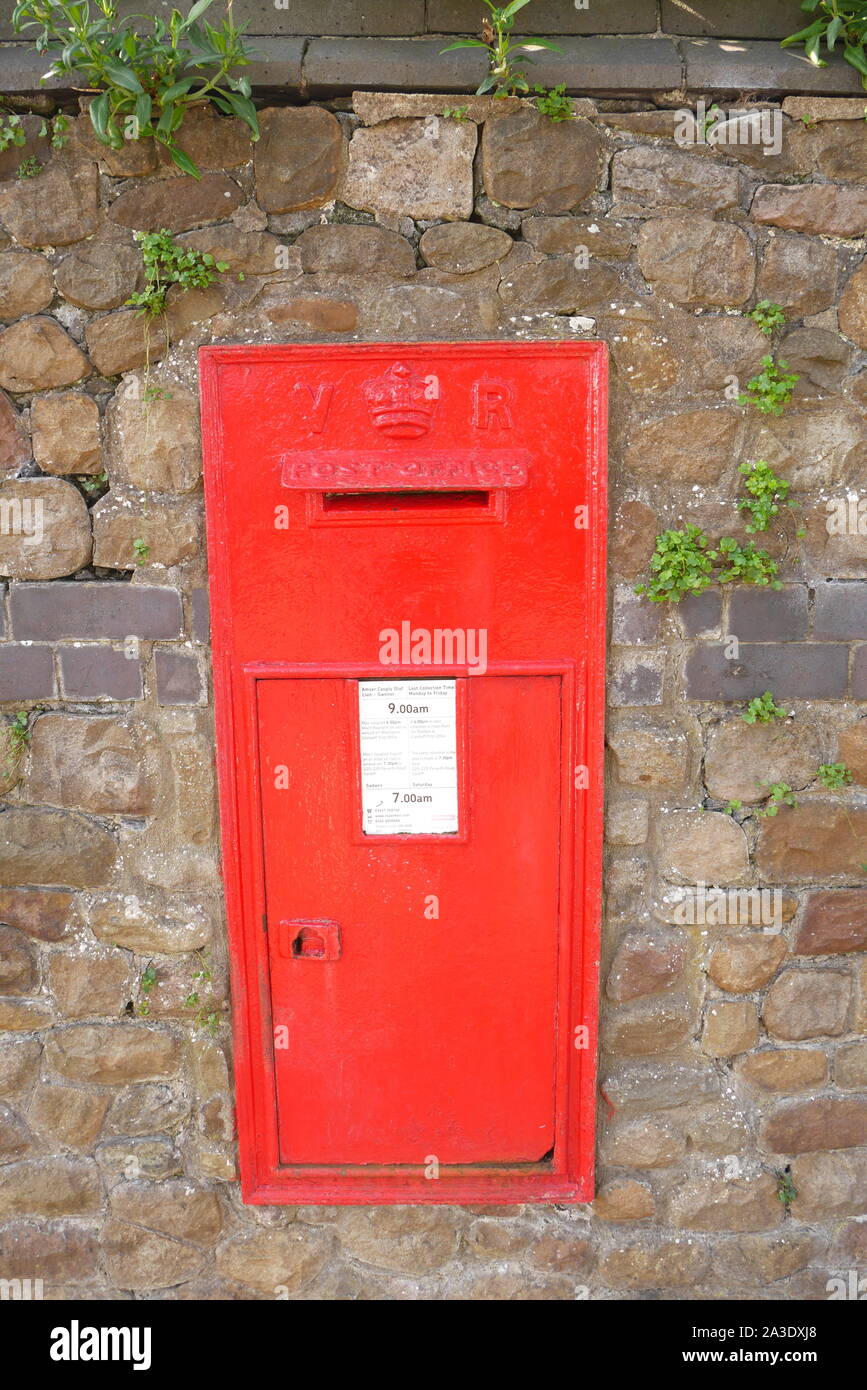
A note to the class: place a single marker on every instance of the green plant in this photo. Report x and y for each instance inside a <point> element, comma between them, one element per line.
<point>29,168</point>
<point>141,550</point>
<point>767,494</point>
<point>770,391</point>
<point>11,132</point>
<point>763,709</point>
<point>58,129</point>
<point>732,806</point>
<point>166,264</point>
<point>768,316</point>
<point>779,794</point>
<point>92,484</point>
<point>147,71</point>
<point>455,113</point>
<point>839,20</point>
<point>745,564</point>
<point>786,1190</point>
<point>18,735</point>
<point>554,103</point>
<point>145,985</point>
<point>680,565</point>
<point>834,776</point>
<point>503,77</point>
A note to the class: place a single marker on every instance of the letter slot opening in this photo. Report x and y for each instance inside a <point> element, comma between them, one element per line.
<point>398,505</point>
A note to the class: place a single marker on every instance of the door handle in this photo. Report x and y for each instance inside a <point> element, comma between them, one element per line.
<point>309,938</point>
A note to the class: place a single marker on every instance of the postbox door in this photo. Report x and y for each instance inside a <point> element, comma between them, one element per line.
<point>415,1014</point>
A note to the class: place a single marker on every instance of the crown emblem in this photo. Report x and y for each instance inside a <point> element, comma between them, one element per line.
<point>398,402</point>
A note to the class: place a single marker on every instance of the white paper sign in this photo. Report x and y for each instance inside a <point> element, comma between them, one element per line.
<point>409,757</point>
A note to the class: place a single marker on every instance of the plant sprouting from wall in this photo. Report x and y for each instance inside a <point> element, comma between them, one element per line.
<point>504,77</point>
<point>767,316</point>
<point>767,494</point>
<point>771,389</point>
<point>834,776</point>
<point>838,21</point>
<point>146,71</point>
<point>682,564</point>
<point>763,709</point>
<point>167,264</point>
<point>779,794</point>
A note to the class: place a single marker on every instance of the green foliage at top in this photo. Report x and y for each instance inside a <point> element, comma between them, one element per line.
<point>770,391</point>
<point>838,21</point>
<point>768,316</point>
<point>763,709</point>
<point>767,494</point>
<point>147,70</point>
<point>554,103</point>
<point>680,565</point>
<point>834,776</point>
<point>166,264</point>
<point>504,78</point>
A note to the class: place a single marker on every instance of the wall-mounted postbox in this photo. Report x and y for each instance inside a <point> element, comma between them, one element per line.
<point>406,549</point>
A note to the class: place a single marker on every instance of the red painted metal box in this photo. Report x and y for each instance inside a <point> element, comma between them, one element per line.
<point>406,547</point>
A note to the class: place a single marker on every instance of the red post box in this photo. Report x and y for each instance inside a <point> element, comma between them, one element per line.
<point>406,547</point>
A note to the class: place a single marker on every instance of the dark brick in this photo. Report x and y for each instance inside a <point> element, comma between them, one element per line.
<point>739,19</point>
<point>178,679</point>
<point>769,615</point>
<point>404,17</point>
<point>841,611</point>
<point>48,611</point>
<point>636,620</point>
<point>700,612</point>
<point>859,673</point>
<point>550,17</point>
<point>200,616</point>
<point>792,670</point>
<point>26,673</point>
<point>93,671</point>
<point>636,679</point>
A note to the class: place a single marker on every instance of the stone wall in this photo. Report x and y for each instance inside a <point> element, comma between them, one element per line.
<point>729,1052</point>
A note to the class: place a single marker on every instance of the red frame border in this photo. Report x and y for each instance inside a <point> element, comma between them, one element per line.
<point>263,1180</point>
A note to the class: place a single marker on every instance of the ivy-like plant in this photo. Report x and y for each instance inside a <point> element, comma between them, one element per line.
<point>680,565</point>
<point>834,776</point>
<point>12,132</point>
<point>167,264</point>
<point>745,564</point>
<point>771,390</point>
<point>767,494</point>
<point>554,103</point>
<point>147,71</point>
<point>763,709</point>
<point>779,794</point>
<point>839,21</point>
<point>767,316</point>
<point>504,78</point>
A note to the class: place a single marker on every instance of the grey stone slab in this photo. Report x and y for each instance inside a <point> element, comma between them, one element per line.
<point>335,66</point>
<point>742,19</point>
<point>551,17</point>
<point>762,69</point>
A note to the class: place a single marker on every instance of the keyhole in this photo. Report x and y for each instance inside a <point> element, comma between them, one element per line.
<point>308,943</point>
